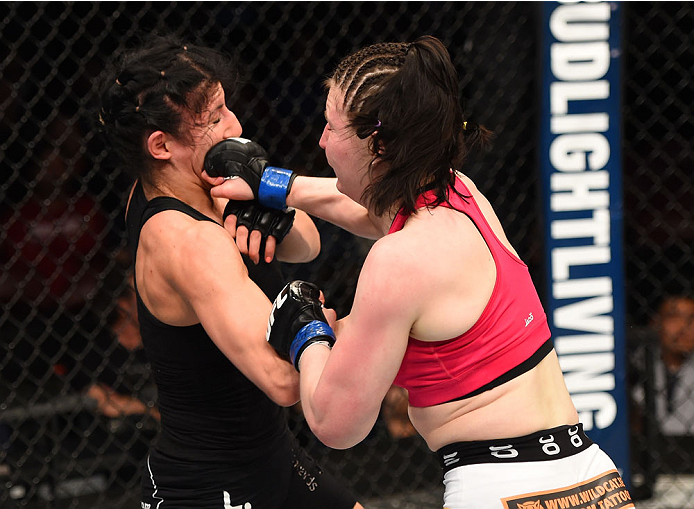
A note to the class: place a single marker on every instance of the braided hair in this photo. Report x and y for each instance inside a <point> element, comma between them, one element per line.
<point>162,85</point>
<point>405,99</point>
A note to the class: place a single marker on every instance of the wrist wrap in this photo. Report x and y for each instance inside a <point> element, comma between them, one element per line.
<point>274,187</point>
<point>313,332</point>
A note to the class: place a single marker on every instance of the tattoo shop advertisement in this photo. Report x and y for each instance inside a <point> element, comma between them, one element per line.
<point>581,179</point>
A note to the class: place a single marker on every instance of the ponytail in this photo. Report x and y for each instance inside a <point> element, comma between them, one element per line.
<point>405,99</point>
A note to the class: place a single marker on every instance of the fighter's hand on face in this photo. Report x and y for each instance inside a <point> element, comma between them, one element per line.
<point>231,189</point>
<point>239,157</point>
<point>235,188</point>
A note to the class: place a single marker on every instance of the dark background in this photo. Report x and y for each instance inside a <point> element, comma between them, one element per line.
<point>62,203</point>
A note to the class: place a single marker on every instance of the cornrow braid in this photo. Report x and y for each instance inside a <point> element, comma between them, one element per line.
<point>347,65</point>
<point>380,60</point>
<point>369,76</point>
<point>404,98</point>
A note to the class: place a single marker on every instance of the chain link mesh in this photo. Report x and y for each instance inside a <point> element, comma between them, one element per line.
<point>77,403</point>
<point>659,238</point>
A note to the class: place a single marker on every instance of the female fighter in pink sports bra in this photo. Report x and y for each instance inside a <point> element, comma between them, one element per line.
<point>443,307</point>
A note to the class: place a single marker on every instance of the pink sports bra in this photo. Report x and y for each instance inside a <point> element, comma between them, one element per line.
<point>509,338</point>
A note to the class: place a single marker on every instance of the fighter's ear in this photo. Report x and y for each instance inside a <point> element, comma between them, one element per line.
<point>377,147</point>
<point>157,145</point>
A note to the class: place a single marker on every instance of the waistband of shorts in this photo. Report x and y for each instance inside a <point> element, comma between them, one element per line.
<point>549,444</point>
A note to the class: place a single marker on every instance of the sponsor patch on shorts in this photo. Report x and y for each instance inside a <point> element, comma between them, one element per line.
<point>606,491</point>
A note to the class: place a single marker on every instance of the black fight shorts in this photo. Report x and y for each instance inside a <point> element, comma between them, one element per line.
<point>287,479</point>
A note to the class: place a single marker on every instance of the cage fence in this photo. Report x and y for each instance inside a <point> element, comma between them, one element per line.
<point>77,401</point>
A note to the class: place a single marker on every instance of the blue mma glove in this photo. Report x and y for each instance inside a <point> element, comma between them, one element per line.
<point>239,157</point>
<point>297,321</point>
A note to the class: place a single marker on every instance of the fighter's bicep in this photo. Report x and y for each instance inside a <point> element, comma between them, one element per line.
<point>377,329</point>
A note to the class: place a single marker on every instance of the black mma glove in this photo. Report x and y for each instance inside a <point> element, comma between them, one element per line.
<point>246,159</point>
<point>267,221</point>
<point>297,321</point>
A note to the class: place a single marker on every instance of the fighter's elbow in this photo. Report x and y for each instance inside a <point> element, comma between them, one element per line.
<point>336,438</point>
<point>299,250</point>
<point>286,399</point>
<point>284,395</point>
<point>312,250</point>
<point>339,433</point>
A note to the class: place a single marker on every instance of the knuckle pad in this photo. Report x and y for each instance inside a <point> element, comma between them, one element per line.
<point>232,208</point>
<point>245,217</point>
<point>264,223</point>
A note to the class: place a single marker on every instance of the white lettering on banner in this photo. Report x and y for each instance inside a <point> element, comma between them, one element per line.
<point>582,343</point>
<point>597,228</point>
<point>585,287</point>
<point>580,60</point>
<point>561,93</point>
<point>587,315</point>
<point>595,409</point>
<point>579,122</point>
<point>563,258</point>
<point>571,22</point>
<point>578,153</point>
<point>579,191</point>
<point>589,372</point>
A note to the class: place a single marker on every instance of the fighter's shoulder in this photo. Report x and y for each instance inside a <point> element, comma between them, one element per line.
<point>469,183</point>
<point>396,255</point>
<point>478,195</point>
<point>183,234</point>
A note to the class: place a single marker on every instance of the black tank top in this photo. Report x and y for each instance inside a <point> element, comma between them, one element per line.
<point>209,410</point>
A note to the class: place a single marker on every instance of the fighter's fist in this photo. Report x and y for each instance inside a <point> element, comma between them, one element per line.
<point>297,321</point>
<point>239,157</point>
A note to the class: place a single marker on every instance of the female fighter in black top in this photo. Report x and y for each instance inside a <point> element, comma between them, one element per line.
<point>202,307</point>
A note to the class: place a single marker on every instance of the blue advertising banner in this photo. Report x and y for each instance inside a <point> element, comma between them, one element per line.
<point>581,178</point>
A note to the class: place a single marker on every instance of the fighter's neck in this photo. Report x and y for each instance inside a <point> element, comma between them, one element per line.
<point>193,192</point>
